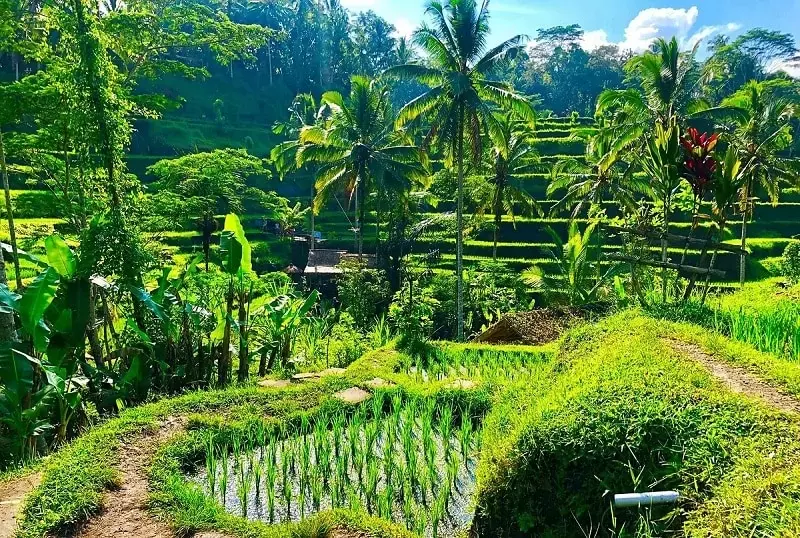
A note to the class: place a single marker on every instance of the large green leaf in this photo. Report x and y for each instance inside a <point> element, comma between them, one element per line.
<point>9,301</point>
<point>147,300</point>
<point>60,256</point>
<point>37,297</point>
<point>235,247</point>
<point>16,371</point>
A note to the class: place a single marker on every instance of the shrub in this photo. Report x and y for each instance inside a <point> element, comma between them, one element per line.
<point>791,262</point>
<point>363,292</point>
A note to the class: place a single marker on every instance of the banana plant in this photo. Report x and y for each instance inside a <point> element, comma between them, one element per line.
<point>280,315</point>
<point>236,262</point>
<point>52,313</point>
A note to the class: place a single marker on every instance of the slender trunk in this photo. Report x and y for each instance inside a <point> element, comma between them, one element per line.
<point>244,363</point>
<point>460,228</point>
<point>743,255</point>
<point>664,245</point>
<point>7,331</point>
<point>225,357</point>
<point>378,229</point>
<point>360,218</point>
<point>498,219</point>
<point>12,232</point>
<point>88,56</point>
<point>206,239</point>
<point>262,363</point>
<point>95,347</point>
<point>313,193</point>
<point>269,58</point>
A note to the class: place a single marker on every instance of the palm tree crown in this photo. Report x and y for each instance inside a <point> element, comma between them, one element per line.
<point>457,105</point>
<point>358,147</point>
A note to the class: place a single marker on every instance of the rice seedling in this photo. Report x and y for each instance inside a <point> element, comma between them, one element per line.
<point>445,428</point>
<point>465,432</point>
<point>211,464</point>
<point>257,469</point>
<point>245,483</point>
<point>371,483</point>
<point>287,497</point>
<point>223,480</point>
<point>272,475</point>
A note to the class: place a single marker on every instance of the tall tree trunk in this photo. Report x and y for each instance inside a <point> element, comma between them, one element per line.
<point>743,255</point>
<point>460,228</point>
<point>269,58</point>
<point>7,331</point>
<point>225,356</point>
<point>12,231</point>
<point>313,230</point>
<point>244,363</point>
<point>95,347</point>
<point>360,217</point>
<point>262,363</point>
<point>664,245</point>
<point>498,219</point>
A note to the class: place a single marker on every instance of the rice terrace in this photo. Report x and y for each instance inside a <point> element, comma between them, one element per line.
<point>384,269</point>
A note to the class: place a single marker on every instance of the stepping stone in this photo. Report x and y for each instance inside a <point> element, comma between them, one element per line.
<point>378,383</point>
<point>464,384</point>
<point>306,376</point>
<point>353,395</point>
<point>274,383</point>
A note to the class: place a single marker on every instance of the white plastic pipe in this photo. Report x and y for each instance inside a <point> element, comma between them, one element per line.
<point>627,500</point>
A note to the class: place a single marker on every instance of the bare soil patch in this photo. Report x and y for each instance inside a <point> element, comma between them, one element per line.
<point>536,327</point>
<point>738,379</point>
<point>124,511</point>
<point>12,493</point>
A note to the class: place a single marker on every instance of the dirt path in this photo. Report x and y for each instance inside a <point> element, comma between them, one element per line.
<point>124,510</point>
<point>12,494</point>
<point>737,379</point>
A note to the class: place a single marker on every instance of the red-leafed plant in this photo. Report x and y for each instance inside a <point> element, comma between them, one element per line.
<point>699,163</point>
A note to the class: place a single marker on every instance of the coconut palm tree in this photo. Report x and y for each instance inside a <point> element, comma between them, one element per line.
<point>302,113</point>
<point>510,160</point>
<point>645,125</point>
<point>457,107</point>
<point>357,146</point>
<point>758,123</point>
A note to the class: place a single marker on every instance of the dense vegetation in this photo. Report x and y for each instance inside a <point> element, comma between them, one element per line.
<point>169,169</point>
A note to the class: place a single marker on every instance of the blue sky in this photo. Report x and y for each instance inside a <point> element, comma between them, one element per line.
<point>633,24</point>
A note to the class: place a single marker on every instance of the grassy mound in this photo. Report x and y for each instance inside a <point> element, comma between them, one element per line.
<point>634,417</point>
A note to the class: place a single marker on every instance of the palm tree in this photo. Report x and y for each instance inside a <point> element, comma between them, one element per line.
<point>645,124</point>
<point>457,105</point>
<point>668,88</point>
<point>602,176</point>
<point>510,161</point>
<point>358,146</point>
<point>761,132</point>
<point>302,113</point>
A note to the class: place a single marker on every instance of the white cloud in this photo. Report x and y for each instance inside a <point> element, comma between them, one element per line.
<point>594,39</point>
<point>403,27</point>
<point>792,68</point>
<point>652,23</point>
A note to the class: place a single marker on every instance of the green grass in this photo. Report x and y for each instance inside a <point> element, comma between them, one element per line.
<point>635,417</point>
<point>565,423</point>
